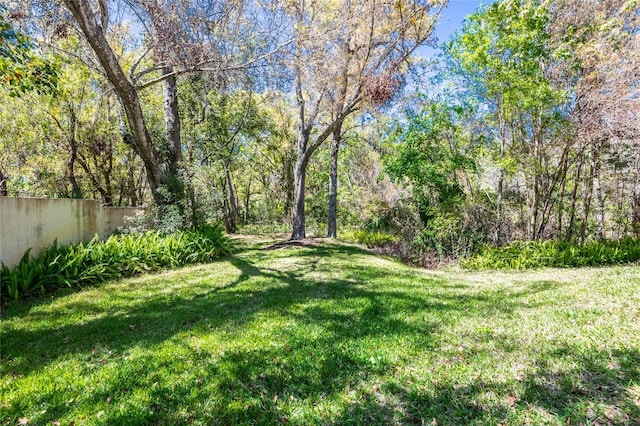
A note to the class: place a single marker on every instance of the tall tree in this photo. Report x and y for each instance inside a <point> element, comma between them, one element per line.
<point>341,50</point>
<point>183,36</point>
<point>501,54</point>
<point>599,43</point>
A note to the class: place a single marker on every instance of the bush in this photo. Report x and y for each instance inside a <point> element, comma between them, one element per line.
<point>369,239</point>
<point>80,265</point>
<point>560,254</point>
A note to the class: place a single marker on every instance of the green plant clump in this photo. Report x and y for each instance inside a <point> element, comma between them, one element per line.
<point>97,261</point>
<point>559,254</point>
<point>367,238</point>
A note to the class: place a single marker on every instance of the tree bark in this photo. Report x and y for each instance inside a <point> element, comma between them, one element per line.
<point>574,197</point>
<point>588,193</point>
<point>299,177</point>
<point>124,89</point>
<point>332,217</point>
<point>635,209</point>
<point>232,203</point>
<point>3,185</point>
<point>76,191</point>
<point>288,184</point>
<point>172,120</point>
<point>247,199</point>
<point>597,192</point>
<point>501,181</point>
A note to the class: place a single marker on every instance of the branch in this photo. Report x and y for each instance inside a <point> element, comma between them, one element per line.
<point>200,66</point>
<point>132,75</point>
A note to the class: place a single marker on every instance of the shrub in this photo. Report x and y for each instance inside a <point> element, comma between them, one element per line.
<point>561,254</point>
<point>125,255</point>
<point>369,239</point>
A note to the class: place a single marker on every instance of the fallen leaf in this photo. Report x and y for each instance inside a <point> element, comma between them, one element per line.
<point>511,401</point>
<point>23,421</point>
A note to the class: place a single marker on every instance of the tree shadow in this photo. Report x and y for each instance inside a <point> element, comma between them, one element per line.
<point>323,358</point>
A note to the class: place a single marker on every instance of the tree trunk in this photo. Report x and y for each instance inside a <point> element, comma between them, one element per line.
<point>501,179</point>
<point>76,191</point>
<point>332,217</point>
<point>232,203</point>
<point>588,194</point>
<point>288,183</point>
<point>3,185</point>
<point>635,209</point>
<point>299,176</point>
<point>247,199</point>
<point>172,120</point>
<point>574,197</point>
<point>597,192</point>
<point>124,89</point>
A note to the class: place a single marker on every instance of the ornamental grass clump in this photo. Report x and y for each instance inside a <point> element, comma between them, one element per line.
<point>80,265</point>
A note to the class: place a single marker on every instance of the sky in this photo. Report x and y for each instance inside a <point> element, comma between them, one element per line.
<point>453,15</point>
<point>451,20</point>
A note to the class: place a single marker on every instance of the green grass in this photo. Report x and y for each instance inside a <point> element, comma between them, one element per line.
<point>329,334</point>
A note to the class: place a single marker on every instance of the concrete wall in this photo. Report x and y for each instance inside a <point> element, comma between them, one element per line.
<point>36,222</point>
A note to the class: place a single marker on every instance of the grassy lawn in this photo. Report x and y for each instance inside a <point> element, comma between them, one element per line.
<point>328,334</point>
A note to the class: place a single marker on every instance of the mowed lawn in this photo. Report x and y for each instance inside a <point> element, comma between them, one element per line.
<point>328,334</point>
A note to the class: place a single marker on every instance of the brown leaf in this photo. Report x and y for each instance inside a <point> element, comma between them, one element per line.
<point>23,421</point>
<point>511,400</point>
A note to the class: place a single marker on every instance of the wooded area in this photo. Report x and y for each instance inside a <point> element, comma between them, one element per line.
<point>323,113</point>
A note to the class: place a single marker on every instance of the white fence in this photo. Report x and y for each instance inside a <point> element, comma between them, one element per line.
<point>36,222</point>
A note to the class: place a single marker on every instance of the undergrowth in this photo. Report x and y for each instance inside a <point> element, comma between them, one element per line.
<point>367,238</point>
<point>559,254</point>
<point>97,261</point>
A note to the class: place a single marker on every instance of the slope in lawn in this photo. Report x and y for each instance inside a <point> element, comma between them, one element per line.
<point>328,334</point>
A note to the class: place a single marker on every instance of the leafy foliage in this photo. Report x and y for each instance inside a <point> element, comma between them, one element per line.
<point>21,70</point>
<point>563,254</point>
<point>369,239</point>
<point>433,152</point>
<point>119,256</point>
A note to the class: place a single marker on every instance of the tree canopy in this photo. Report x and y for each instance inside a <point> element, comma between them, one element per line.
<point>254,114</point>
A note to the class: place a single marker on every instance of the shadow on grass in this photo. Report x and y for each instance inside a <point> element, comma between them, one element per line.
<point>321,359</point>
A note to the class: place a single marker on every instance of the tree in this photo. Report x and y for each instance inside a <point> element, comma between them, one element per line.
<point>339,51</point>
<point>502,55</point>
<point>599,44</point>
<point>434,152</point>
<point>21,69</point>
<point>185,36</point>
